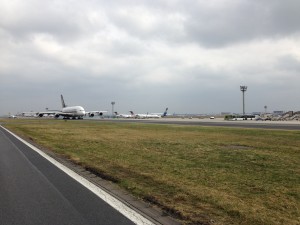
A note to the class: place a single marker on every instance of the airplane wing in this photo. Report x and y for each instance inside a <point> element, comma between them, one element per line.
<point>29,114</point>
<point>94,113</point>
<point>49,113</point>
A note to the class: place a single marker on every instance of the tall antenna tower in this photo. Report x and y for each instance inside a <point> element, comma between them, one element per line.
<point>112,109</point>
<point>243,89</point>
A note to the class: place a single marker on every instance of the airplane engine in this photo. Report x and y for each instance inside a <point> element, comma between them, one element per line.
<point>56,116</point>
<point>91,115</point>
<point>101,114</point>
<point>40,114</point>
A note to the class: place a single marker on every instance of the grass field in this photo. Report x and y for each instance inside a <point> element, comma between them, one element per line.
<point>199,175</point>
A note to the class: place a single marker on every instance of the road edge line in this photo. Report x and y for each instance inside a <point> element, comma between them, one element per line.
<point>124,209</point>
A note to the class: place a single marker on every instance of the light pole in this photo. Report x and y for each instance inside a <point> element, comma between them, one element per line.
<point>112,109</point>
<point>266,109</point>
<point>243,89</point>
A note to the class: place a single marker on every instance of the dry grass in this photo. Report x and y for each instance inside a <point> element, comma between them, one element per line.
<point>200,175</point>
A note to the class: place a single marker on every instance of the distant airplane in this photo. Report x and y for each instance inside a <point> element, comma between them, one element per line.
<point>149,115</point>
<point>68,112</point>
<point>123,115</point>
<point>164,114</point>
<point>12,117</point>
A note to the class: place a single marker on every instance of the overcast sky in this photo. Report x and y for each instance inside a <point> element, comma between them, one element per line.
<point>190,56</point>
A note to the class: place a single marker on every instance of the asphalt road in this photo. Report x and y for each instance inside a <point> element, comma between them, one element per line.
<point>35,192</point>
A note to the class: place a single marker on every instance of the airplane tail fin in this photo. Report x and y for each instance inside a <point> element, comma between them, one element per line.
<point>166,111</point>
<point>131,112</point>
<point>62,101</point>
<point>116,113</point>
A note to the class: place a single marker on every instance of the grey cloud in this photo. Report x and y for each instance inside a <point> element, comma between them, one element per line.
<point>289,64</point>
<point>149,24</point>
<point>242,21</point>
<point>283,16</point>
<point>24,19</point>
<point>190,56</point>
<point>210,24</point>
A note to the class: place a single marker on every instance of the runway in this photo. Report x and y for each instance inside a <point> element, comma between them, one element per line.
<point>33,191</point>
<point>276,125</point>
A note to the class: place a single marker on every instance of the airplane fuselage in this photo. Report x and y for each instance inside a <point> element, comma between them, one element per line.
<point>73,111</point>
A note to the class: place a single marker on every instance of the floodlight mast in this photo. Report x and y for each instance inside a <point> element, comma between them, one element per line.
<point>265,109</point>
<point>112,109</point>
<point>243,89</point>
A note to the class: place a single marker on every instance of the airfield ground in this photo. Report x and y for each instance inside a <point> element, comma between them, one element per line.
<point>197,174</point>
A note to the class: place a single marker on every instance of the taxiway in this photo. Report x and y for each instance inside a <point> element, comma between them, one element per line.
<point>218,122</point>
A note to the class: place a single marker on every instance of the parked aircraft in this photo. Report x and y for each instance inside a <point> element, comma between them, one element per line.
<point>123,115</point>
<point>149,116</point>
<point>68,112</point>
<point>164,114</point>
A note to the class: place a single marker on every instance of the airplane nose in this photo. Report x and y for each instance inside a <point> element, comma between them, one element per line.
<point>81,112</point>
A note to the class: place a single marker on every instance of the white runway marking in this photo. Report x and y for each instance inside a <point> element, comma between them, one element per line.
<point>112,201</point>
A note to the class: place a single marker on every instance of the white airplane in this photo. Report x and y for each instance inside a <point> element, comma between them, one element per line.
<point>12,117</point>
<point>123,115</point>
<point>29,114</point>
<point>68,112</point>
<point>149,116</point>
<point>156,115</point>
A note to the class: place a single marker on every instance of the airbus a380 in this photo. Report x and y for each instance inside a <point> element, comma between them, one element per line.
<point>70,112</point>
